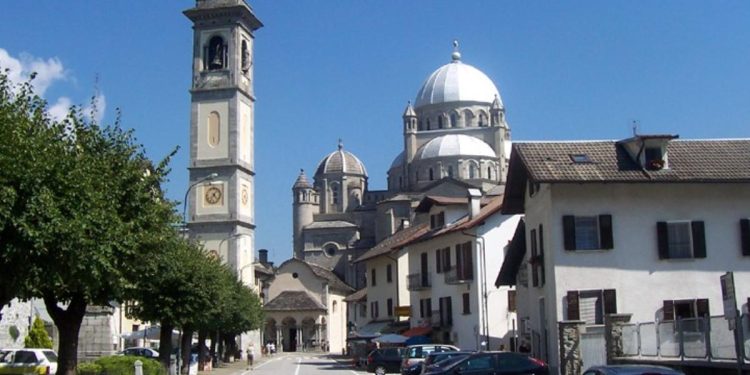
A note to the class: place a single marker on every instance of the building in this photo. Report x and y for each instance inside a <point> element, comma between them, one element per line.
<point>643,226</point>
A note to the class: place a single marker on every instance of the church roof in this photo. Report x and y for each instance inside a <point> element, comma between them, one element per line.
<point>333,281</point>
<point>358,296</point>
<point>454,145</point>
<point>457,82</point>
<point>293,300</point>
<point>302,181</point>
<point>330,224</point>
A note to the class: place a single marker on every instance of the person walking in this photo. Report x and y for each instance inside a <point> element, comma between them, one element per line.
<point>250,356</point>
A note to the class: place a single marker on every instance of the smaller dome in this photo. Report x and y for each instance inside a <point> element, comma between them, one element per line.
<point>455,145</point>
<point>341,161</point>
<point>398,161</point>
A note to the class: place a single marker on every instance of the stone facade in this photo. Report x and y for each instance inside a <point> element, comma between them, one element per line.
<point>571,360</point>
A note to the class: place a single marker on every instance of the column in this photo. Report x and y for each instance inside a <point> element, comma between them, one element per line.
<point>613,324</point>
<point>571,362</point>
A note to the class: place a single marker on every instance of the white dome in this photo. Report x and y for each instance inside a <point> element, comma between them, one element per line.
<point>457,82</point>
<point>455,145</point>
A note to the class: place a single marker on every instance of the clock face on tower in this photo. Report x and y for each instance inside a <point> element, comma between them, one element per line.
<point>213,195</point>
<point>245,196</point>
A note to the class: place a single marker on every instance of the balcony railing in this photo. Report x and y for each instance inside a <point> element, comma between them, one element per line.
<point>418,281</point>
<point>455,275</point>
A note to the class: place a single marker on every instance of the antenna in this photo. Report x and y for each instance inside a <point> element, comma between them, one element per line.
<point>636,125</point>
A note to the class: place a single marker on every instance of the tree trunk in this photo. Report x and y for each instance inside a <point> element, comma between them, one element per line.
<point>202,353</point>
<point>165,344</point>
<point>68,322</point>
<point>187,339</point>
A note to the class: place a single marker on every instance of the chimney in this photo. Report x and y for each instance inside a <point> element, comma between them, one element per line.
<point>474,196</point>
<point>263,256</point>
<point>404,223</point>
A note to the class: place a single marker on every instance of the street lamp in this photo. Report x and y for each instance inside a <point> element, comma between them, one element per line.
<point>184,202</point>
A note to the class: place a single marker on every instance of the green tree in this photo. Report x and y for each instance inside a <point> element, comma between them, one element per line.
<point>37,337</point>
<point>77,223</point>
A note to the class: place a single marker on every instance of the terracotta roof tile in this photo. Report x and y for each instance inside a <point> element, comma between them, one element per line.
<point>293,300</point>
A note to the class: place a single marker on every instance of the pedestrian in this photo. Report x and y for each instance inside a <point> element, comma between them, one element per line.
<point>250,355</point>
<point>268,348</point>
<point>273,348</point>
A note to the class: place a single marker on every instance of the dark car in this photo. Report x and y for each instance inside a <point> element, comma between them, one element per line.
<point>494,363</point>
<point>415,354</point>
<point>435,360</point>
<point>384,360</point>
<point>632,370</point>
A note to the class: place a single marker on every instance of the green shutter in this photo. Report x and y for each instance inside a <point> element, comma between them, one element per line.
<point>569,232</point>
<point>699,239</point>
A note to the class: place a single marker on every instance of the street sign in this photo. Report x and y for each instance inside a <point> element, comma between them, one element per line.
<point>403,310</point>
<point>728,296</point>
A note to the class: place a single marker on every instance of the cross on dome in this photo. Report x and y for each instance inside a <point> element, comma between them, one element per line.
<point>456,56</point>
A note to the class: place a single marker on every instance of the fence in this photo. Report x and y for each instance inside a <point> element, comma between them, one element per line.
<point>707,338</point>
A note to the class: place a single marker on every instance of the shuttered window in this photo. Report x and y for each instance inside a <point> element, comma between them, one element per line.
<point>389,273</point>
<point>681,239</point>
<point>389,306</point>
<point>587,232</point>
<point>591,305</point>
<point>534,259</point>
<point>466,303</point>
<point>687,310</point>
<point>511,300</point>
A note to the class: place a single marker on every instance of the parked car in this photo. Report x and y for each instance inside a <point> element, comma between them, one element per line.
<point>416,354</point>
<point>4,352</point>
<point>29,361</point>
<point>384,360</point>
<point>141,352</point>
<point>435,360</point>
<point>631,370</point>
<point>494,363</point>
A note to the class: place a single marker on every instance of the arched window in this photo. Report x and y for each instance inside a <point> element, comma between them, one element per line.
<point>334,305</point>
<point>214,129</point>
<point>216,53</point>
<point>400,181</point>
<point>450,171</point>
<point>489,173</point>
<point>454,120</point>
<point>246,62</point>
<point>428,124</point>
<point>468,118</point>
<point>420,127</point>
<point>472,171</point>
<point>482,119</point>
<point>440,122</point>
<point>334,193</point>
<point>431,174</point>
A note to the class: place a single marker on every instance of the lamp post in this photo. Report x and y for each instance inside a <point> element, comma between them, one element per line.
<point>184,202</point>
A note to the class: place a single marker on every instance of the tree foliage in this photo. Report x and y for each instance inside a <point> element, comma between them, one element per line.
<point>38,337</point>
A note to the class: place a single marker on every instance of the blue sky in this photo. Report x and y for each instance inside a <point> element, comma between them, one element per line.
<point>345,69</point>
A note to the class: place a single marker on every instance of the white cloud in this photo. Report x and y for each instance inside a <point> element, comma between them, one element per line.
<point>59,110</point>
<point>47,71</point>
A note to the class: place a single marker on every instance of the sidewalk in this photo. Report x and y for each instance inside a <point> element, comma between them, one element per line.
<point>240,366</point>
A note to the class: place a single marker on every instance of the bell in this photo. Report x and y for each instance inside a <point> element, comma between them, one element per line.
<point>216,62</point>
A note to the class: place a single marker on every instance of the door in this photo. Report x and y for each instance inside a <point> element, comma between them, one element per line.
<point>292,339</point>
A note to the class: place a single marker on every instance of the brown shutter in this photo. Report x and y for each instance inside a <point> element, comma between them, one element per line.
<point>663,241</point>
<point>605,232</point>
<point>511,300</point>
<point>438,260</point>
<point>745,236</point>
<point>610,301</point>
<point>573,310</point>
<point>668,310</point>
<point>541,255</point>
<point>701,305</point>
<point>569,232</point>
<point>447,262</point>
<point>699,239</point>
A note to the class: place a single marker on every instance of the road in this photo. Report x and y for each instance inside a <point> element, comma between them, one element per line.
<point>303,364</point>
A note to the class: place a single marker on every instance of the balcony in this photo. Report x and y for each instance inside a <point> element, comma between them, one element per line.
<point>418,281</point>
<point>455,275</point>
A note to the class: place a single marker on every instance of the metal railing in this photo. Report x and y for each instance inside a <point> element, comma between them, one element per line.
<point>707,338</point>
<point>455,275</point>
<point>418,281</point>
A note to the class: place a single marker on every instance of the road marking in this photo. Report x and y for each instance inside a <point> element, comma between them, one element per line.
<point>299,363</point>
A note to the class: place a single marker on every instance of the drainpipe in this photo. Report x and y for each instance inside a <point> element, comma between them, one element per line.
<point>483,287</point>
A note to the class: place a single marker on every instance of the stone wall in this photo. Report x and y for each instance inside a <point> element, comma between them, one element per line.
<point>97,337</point>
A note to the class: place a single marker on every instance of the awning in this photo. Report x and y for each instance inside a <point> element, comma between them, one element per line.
<point>372,329</point>
<point>390,338</point>
<point>417,331</point>
<point>514,257</point>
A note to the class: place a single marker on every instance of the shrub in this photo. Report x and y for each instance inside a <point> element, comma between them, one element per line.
<point>89,368</point>
<point>38,337</point>
<point>123,365</point>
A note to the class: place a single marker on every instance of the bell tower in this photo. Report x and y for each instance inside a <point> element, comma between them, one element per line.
<point>220,197</point>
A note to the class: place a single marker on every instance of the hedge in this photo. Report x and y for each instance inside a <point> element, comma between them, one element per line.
<point>120,365</point>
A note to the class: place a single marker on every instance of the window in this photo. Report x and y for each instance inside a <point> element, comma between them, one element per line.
<point>464,264</point>
<point>466,303</point>
<point>745,236</point>
<point>215,53</point>
<point>334,194</point>
<point>477,363</point>
<point>330,250</point>
<point>437,220</point>
<point>450,171</point>
<point>443,260</point>
<point>591,305</point>
<point>374,309</point>
<point>580,158</point>
<point>334,305</point>
<point>536,261</point>
<point>432,174</point>
<point>588,232</point>
<point>440,122</point>
<point>214,128</point>
<point>425,308</point>
<point>482,119</point>
<point>472,171</point>
<point>373,280</point>
<point>446,311</point>
<point>454,122</point>
<point>681,239</point>
<point>363,310</point>
<point>511,300</point>
<point>389,273</point>
<point>389,306</point>
<point>688,310</point>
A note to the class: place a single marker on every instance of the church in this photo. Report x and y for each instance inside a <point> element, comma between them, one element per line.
<point>455,137</point>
